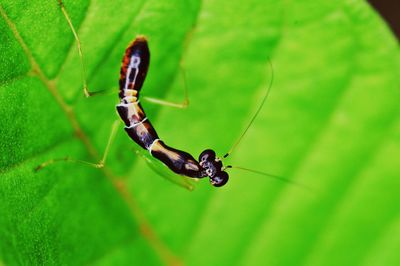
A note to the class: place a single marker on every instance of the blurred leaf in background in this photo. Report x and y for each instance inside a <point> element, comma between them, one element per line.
<point>331,122</point>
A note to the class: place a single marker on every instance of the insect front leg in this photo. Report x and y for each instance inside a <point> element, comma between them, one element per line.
<point>99,164</point>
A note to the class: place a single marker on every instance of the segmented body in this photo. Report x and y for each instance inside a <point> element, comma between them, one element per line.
<point>133,72</point>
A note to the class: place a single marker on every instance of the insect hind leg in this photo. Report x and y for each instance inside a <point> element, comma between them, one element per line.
<point>99,164</point>
<point>86,91</point>
<point>182,105</point>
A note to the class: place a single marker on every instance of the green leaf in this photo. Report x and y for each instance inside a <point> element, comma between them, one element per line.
<point>331,122</point>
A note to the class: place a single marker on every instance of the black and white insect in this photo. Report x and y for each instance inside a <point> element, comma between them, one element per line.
<point>133,73</point>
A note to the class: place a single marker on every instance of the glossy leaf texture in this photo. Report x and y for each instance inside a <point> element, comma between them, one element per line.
<point>331,122</point>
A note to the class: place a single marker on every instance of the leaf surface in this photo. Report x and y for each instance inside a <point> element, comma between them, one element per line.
<point>331,122</point>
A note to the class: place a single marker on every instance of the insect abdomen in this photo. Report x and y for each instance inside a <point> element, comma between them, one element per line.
<point>134,68</point>
<point>133,72</point>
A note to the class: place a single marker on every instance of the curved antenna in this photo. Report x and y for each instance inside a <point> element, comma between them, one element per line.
<point>283,179</point>
<point>255,115</point>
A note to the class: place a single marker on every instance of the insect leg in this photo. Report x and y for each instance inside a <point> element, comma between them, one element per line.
<point>111,138</point>
<point>185,102</point>
<point>182,105</point>
<point>99,164</point>
<point>86,91</point>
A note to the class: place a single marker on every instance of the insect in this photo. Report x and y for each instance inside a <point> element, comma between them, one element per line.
<point>133,72</point>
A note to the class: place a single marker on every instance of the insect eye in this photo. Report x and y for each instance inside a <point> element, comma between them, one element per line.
<point>217,165</point>
<point>220,179</point>
<point>207,155</point>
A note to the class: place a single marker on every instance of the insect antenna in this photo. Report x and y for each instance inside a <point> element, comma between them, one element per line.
<point>283,179</point>
<point>256,113</point>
